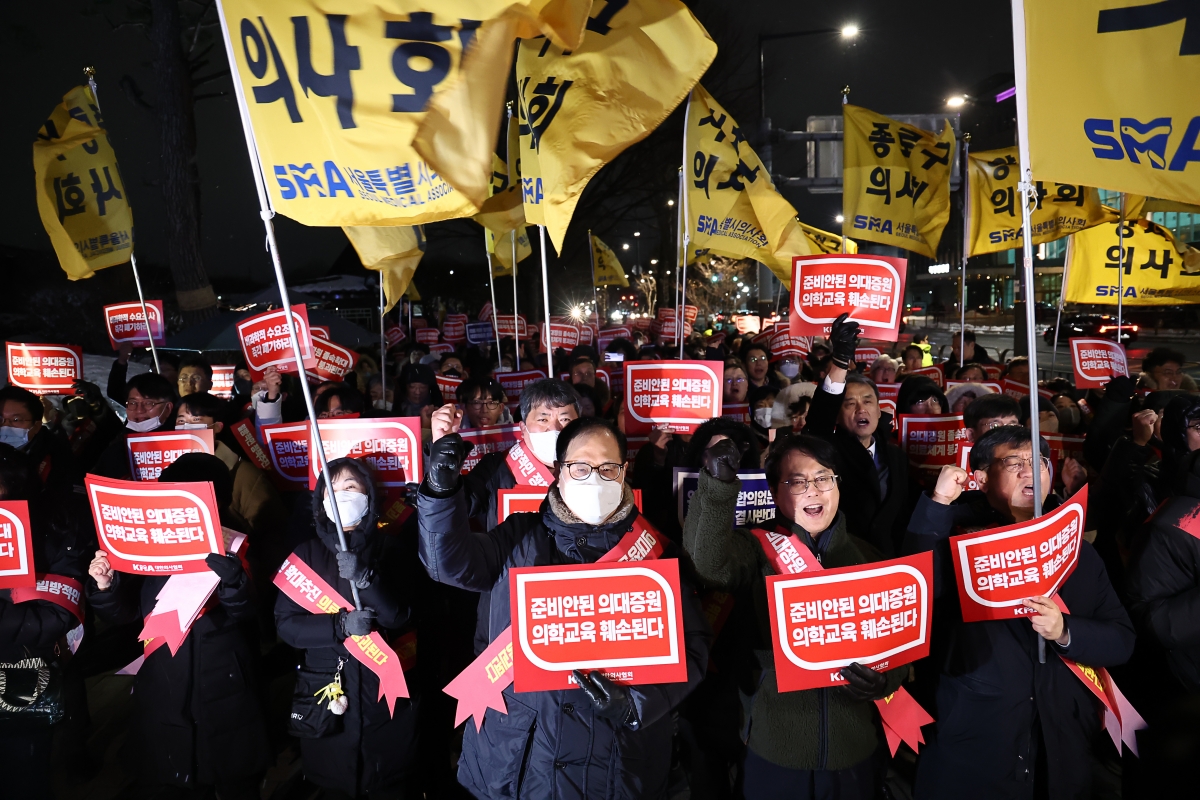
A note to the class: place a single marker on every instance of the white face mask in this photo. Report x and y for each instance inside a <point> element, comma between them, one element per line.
<point>593,500</point>
<point>763,417</point>
<point>790,369</point>
<point>351,506</point>
<point>145,426</point>
<point>14,436</point>
<point>544,445</point>
<point>381,405</point>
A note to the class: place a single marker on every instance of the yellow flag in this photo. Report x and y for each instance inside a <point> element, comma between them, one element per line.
<point>733,208</point>
<point>995,205</point>
<point>80,196</point>
<point>580,109</point>
<point>1157,272</point>
<point>501,248</point>
<point>1132,128</point>
<point>392,252</point>
<point>606,266</point>
<point>502,211</point>
<point>896,181</point>
<point>824,242</point>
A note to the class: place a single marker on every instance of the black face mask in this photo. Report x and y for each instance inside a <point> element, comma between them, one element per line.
<point>452,373</point>
<point>242,386</point>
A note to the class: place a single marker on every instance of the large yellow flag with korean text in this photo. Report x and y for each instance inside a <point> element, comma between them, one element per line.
<point>392,252</point>
<point>337,90</point>
<point>606,267</point>
<point>581,108</point>
<point>1134,127</point>
<point>733,209</point>
<point>80,195</point>
<point>1157,270</point>
<point>895,181</point>
<point>824,242</point>
<point>995,205</point>
<point>501,248</point>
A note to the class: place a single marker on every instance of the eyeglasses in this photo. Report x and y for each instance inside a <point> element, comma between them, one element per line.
<point>490,405</point>
<point>144,405</point>
<point>190,380</point>
<point>1195,427</point>
<point>1014,464</point>
<point>735,381</point>
<point>16,422</point>
<point>756,359</point>
<point>581,470</point>
<point>800,485</point>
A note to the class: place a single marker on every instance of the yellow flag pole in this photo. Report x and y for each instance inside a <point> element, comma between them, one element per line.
<point>681,309</point>
<point>966,251</point>
<point>492,287</point>
<point>546,303</point>
<point>592,259</point>
<point>266,213</point>
<point>90,72</point>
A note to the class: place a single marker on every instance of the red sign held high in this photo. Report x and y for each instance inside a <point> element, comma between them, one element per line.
<point>16,545</point>
<point>679,394</point>
<point>45,368</point>
<point>868,288</point>
<point>266,341</point>
<point>126,324</point>
<point>390,446</point>
<point>1096,362</point>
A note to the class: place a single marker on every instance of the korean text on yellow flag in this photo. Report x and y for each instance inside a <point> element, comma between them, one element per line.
<point>501,248</point>
<point>502,211</point>
<point>392,252</point>
<point>896,181</point>
<point>825,242</point>
<point>995,205</point>
<point>606,265</point>
<point>1134,128</point>
<point>581,109</point>
<point>732,207</point>
<point>1157,271</point>
<point>80,196</point>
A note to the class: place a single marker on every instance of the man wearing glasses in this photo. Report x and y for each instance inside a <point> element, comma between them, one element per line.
<point>1002,714</point>
<point>149,407</point>
<point>21,427</point>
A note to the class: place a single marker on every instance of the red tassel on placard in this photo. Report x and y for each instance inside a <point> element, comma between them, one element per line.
<point>902,720</point>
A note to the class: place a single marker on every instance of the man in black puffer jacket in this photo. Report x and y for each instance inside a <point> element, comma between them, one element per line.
<point>611,740</point>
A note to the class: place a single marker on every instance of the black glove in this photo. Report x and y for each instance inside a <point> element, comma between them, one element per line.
<point>92,394</point>
<point>228,568</point>
<point>864,682</point>
<point>1120,389</point>
<point>443,470</point>
<point>612,700</point>
<point>722,460</point>
<point>354,623</point>
<point>352,569</point>
<point>843,340</point>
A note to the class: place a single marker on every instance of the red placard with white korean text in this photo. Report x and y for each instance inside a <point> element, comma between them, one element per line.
<point>624,619</point>
<point>448,386</point>
<point>866,355</point>
<point>932,442</point>
<point>690,313</point>
<point>642,324</point>
<point>266,341</point>
<point>492,439</point>
<point>888,392</point>
<point>964,463</point>
<point>868,288</point>
<point>441,347</point>
<point>993,371</point>
<point>665,313</point>
<point>45,368</point>
<point>506,327</point>
<point>747,323</point>
<point>739,412</point>
<point>427,335</point>
<point>333,362</point>
<point>222,380</point>
<point>454,330</point>
<point>151,453</point>
<point>1019,390</point>
<point>587,334</point>
<point>668,329</point>
<point>679,394</point>
<point>763,337</point>
<point>564,336</point>
<point>486,312</point>
<point>879,615</point>
<point>607,335</point>
<point>783,343</point>
<point>934,374</point>
<point>126,324</point>
<point>995,387</point>
<point>514,382</point>
<point>1062,446</point>
<point>155,528</point>
<point>287,445</point>
<point>521,500</point>
<point>16,545</point>
<point>1096,362</point>
<point>389,446</point>
<point>395,335</point>
<point>999,568</point>
<point>320,332</point>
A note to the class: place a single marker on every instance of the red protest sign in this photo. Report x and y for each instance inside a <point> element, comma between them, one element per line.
<point>739,412</point>
<point>522,500</point>
<point>668,329</point>
<point>222,379</point>
<point>623,618</point>
<point>995,387</point>
<point>1096,362</point>
<point>45,368</point>
<point>747,323</point>
<point>458,318</point>
<point>395,335</point>
<point>993,371</point>
<point>493,439</point>
<point>679,394</point>
<point>266,341</point>
<point>607,335</point>
<point>1062,446</point>
<point>455,330</point>
<point>151,453</point>
<point>155,528</point>
<point>999,568</point>
<point>333,362</point>
<point>868,288</point>
<point>506,326</point>
<point>389,446</point>
<point>441,347</point>
<point>888,392</point>
<point>587,334</point>
<point>320,332</point>
<point>879,615</point>
<point>933,373</point>
<point>126,323</point>
<point>866,355</point>
<point>690,313</point>
<point>16,545</point>
<point>287,446</point>
<point>564,336</point>
<point>485,313</point>
<point>514,382</point>
<point>448,386</point>
<point>665,313</point>
<point>1019,390</point>
<point>964,463</point>
<point>427,335</point>
<point>932,442</point>
<point>642,324</point>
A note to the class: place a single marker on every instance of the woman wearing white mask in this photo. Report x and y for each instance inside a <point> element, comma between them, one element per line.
<point>613,739</point>
<point>348,740</point>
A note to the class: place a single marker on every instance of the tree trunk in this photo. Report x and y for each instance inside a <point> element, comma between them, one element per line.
<point>180,176</point>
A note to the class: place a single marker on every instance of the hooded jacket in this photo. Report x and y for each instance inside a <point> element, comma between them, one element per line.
<point>552,744</point>
<point>374,749</point>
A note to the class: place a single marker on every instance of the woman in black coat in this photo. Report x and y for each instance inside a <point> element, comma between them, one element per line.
<point>373,752</point>
<point>198,718</point>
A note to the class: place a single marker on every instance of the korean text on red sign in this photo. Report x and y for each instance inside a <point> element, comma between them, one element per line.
<point>506,326</point>
<point>1096,362</point>
<point>222,379</point>
<point>997,569</point>
<point>932,442</point>
<point>332,361</point>
<point>879,615</point>
<point>784,344</point>
<point>390,447</point>
<point>678,394</point>
<point>564,336</point>
<point>287,445</point>
<point>868,288</point>
<point>44,368</point>
<point>16,545</point>
<point>266,341</point>
<point>155,528</point>
<point>522,500</point>
<point>514,382</point>
<point>151,453</point>
<point>492,439</point>
<point>624,619</point>
<point>126,323</point>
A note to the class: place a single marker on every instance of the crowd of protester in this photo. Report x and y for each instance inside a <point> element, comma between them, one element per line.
<point>212,719</point>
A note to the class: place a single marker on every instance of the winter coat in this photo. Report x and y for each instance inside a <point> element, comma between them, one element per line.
<point>488,477</point>
<point>552,744</point>
<point>994,700</point>
<point>1130,490</point>
<point>52,461</point>
<point>654,480</point>
<point>374,750</point>
<point>817,729</point>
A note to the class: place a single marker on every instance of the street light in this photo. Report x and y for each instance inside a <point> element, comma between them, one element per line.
<point>956,101</point>
<point>849,31</point>
<point>670,202</point>
<point>653,261</point>
<point>839,219</point>
<point>846,32</point>
<point>625,246</point>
